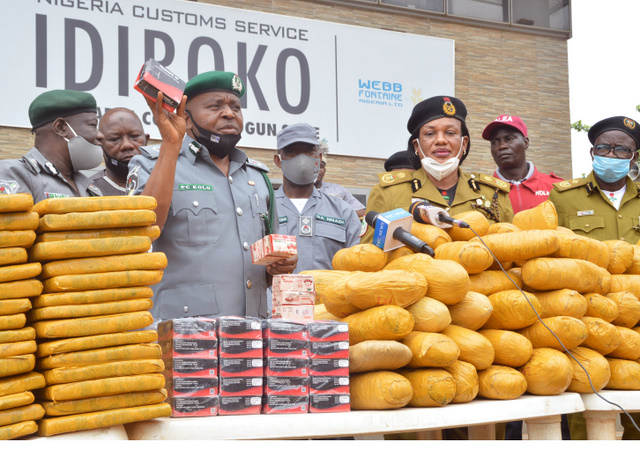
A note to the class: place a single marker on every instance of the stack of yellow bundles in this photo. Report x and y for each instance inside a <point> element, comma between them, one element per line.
<point>100,368</point>
<point>17,342</point>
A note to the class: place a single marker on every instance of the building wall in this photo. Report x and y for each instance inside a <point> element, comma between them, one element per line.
<point>497,72</point>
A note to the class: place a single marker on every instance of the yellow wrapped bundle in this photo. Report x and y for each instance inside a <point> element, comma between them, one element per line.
<point>20,334</point>
<point>105,386</point>
<point>12,431</point>
<point>603,336</point>
<point>105,370</point>
<point>629,347</point>
<point>360,257</point>
<point>512,311</point>
<point>92,296</point>
<point>110,280</point>
<point>142,261</point>
<point>548,372</point>
<point>102,355</point>
<point>17,364</point>
<point>17,348</point>
<point>570,330</point>
<point>510,348</point>
<point>152,231</point>
<point>595,364</point>
<point>473,257</point>
<point>17,238</point>
<point>320,313</point>
<point>489,282</point>
<point>430,234</point>
<point>13,256</point>
<point>474,347</point>
<point>448,281</point>
<point>86,405</point>
<point>20,289</point>
<point>472,312</point>
<point>21,414</point>
<point>387,287</point>
<point>501,266</point>
<point>605,280</point>
<point>380,390</point>
<point>335,297</point>
<point>375,355</point>
<point>466,377</point>
<point>322,279</point>
<point>14,306</point>
<point>502,227</point>
<point>95,342</point>
<point>601,306</point>
<point>95,325</point>
<point>634,268</point>
<point>429,315</point>
<point>90,421</point>
<point>501,383</point>
<point>625,375</point>
<point>571,246</point>
<point>415,263</point>
<point>628,308</point>
<point>634,281</point>
<point>15,400</point>
<point>621,283</point>
<point>91,204</point>
<point>96,309</point>
<point>399,252</point>
<point>520,246</point>
<point>21,383</point>
<point>431,386</point>
<point>96,220</point>
<point>24,220</point>
<point>598,253</point>
<point>621,256</point>
<point>13,321</point>
<point>553,274</point>
<point>73,249</point>
<point>541,217</point>
<point>379,323</point>
<point>476,220</point>
<point>10,203</point>
<point>563,302</point>
<point>431,349</point>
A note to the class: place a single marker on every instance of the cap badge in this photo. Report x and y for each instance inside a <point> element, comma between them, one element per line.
<point>629,123</point>
<point>236,83</point>
<point>448,107</point>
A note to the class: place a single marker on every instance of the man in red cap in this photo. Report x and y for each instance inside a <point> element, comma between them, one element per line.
<point>509,143</point>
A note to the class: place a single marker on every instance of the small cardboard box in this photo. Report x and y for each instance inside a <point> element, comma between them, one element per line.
<point>272,248</point>
<point>154,78</point>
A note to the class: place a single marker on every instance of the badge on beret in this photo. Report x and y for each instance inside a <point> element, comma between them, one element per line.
<point>236,83</point>
<point>448,107</point>
<point>629,123</point>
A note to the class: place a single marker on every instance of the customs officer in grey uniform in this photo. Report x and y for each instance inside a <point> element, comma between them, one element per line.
<point>67,140</point>
<point>321,223</point>
<point>213,203</point>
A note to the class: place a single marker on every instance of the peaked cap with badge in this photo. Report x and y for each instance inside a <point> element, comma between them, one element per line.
<point>624,124</point>
<point>215,81</point>
<point>49,106</point>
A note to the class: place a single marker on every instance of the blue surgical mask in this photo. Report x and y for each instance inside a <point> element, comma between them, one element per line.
<point>609,169</point>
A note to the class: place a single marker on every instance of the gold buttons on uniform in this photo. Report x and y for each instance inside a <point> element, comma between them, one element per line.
<point>249,284</point>
<point>619,216</point>
<point>586,225</point>
<point>622,238</point>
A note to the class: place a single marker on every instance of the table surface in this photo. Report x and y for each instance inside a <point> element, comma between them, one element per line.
<point>628,399</point>
<point>318,425</point>
<point>116,432</point>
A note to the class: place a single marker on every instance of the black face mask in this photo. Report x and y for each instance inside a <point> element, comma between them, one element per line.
<point>217,144</point>
<point>117,167</point>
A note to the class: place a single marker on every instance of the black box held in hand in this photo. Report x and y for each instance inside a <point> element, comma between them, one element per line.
<point>153,77</point>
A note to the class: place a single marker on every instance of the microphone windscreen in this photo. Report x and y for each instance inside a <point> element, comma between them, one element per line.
<point>370,217</point>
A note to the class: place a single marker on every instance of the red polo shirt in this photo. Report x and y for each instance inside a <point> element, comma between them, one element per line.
<point>531,192</point>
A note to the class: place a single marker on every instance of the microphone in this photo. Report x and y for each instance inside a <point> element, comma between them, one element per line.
<point>390,231</point>
<point>426,213</point>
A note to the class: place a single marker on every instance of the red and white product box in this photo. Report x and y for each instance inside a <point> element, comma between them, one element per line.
<point>289,367</point>
<point>329,367</point>
<point>293,283</point>
<point>272,248</point>
<point>284,330</point>
<point>336,385</point>
<point>286,348</point>
<point>326,403</point>
<point>188,367</point>
<point>154,78</point>
<point>293,298</point>
<point>295,313</point>
<point>249,328</point>
<point>283,385</point>
<point>240,367</point>
<point>192,387</point>
<point>189,348</point>
<point>201,328</point>
<point>328,331</point>
<point>285,404</point>
<point>234,387</point>
<point>240,348</point>
<point>193,406</point>
<point>239,405</point>
<point>329,350</point>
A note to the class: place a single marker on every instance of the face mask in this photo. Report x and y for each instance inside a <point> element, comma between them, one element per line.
<point>83,155</point>
<point>117,167</point>
<point>301,169</point>
<point>609,169</point>
<point>439,170</point>
<point>217,144</point>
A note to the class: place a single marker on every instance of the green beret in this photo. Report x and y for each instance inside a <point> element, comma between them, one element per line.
<point>49,106</point>
<point>213,81</point>
<point>624,124</point>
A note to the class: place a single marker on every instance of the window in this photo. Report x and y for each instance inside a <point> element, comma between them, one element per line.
<point>427,5</point>
<point>490,10</point>
<point>548,14</point>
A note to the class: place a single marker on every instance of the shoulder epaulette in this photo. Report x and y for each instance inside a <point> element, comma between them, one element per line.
<point>570,184</point>
<point>394,177</point>
<point>31,164</point>
<point>493,182</point>
<point>94,191</point>
<point>150,152</point>
<point>259,165</point>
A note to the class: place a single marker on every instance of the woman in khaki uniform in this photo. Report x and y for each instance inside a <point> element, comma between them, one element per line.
<point>440,140</point>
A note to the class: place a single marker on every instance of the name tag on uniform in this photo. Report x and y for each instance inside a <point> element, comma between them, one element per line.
<point>195,187</point>
<point>283,219</point>
<point>586,213</point>
<point>305,226</point>
<point>55,195</point>
<point>333,220</point>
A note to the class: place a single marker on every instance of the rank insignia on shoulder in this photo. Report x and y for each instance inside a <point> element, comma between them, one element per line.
<point>194,148</point>
<point>391,178</point>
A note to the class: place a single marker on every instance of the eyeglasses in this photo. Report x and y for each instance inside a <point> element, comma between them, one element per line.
<point>621,152</point>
